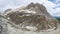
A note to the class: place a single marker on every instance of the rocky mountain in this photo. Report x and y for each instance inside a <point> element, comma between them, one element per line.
<point>32,15</point>
<point>40,9</point>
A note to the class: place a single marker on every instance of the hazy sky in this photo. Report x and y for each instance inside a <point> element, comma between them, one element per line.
<point>52,6</point>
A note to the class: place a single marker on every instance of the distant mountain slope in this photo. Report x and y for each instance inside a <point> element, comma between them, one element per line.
<point>57,17</point>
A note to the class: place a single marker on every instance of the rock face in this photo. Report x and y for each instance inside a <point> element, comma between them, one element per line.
<point>33,15</point>
<point>3,25</point>
<point>39,8</point>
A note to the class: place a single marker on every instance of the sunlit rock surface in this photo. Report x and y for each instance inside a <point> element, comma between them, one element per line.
<point>3,25</point>
<point>13,30</point>
<point>31,19</point>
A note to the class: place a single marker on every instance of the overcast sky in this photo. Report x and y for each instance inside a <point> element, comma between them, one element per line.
<point>52,6</point>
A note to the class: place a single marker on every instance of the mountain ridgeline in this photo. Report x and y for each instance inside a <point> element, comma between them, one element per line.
<point>26,16</point>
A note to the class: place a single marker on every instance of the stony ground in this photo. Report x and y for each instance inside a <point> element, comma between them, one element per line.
<point>12,30</point>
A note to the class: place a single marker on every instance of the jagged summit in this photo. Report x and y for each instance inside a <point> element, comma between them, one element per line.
<point>39,8</point>
<point>34,15</point>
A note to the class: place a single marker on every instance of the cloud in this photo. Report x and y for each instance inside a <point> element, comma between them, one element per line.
<point>56,8</point>
<point>5,4</point>
<point>57,11</point>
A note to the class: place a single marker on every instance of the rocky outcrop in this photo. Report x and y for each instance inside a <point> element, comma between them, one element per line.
<point>39,8</point>
<point>34,15</point>
<point>3,25</point>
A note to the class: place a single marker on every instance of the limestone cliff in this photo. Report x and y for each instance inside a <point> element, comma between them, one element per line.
<point>34,15</point>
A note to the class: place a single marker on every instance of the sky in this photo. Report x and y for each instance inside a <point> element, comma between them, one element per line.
<point>52,6</point>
